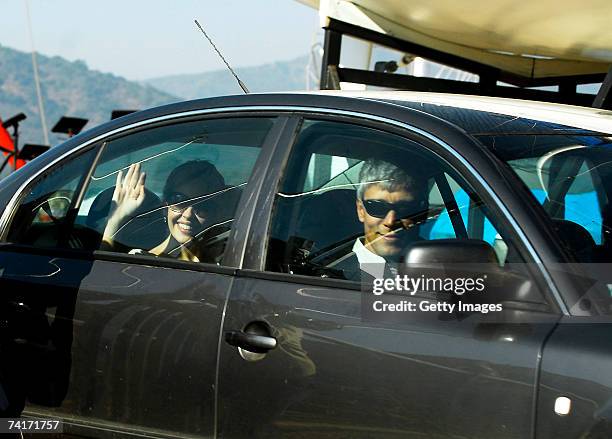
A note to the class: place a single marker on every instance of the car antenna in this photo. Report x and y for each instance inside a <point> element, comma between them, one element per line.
<point>240,83</point>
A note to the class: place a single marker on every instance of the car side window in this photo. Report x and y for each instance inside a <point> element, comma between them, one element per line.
<point>172,191</point>
<point>43,216</point>
<point>348,186</point>
<point>585,199</point>
<point>569,187</point>
<point>473,215</point>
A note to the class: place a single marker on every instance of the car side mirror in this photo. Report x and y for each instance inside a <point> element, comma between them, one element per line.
<point>450,251</point>
<point>461,259</point>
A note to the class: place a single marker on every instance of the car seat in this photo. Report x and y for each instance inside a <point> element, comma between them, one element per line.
<point>211,242</point>
<point>328,219</point>
<point>324,224</point>
<point>575,239</point>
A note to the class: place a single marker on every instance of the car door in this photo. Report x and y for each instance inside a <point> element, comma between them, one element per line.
<point>124,340</point>
<point>575,389</point>
<point>302,356</point>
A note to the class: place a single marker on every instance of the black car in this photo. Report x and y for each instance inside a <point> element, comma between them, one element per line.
<point>136,302</point>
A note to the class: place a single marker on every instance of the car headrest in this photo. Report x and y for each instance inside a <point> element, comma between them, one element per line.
<point>222,211</point>
<point>329,218</point>
<point>226,202</point>
<point>575,238</point>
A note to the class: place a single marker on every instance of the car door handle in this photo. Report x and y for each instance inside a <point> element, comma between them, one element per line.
<point>250,342</point>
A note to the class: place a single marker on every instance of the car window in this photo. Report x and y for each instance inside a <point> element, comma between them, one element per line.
<point>317,222</point>
<point>581,203</point>
<point>172,191</point>
<point>569,176</point>
<point>331,171</point>
<point>43,216</point>
<point>478,226</point>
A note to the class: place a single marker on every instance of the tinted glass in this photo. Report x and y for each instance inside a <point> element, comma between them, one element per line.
<point>347,187</point>
<point>173,190</point>
<point>44,217</point>
<point>571,177</point>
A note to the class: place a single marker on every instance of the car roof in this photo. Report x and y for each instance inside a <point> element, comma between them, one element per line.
<point>485,114</point>
<point>474,114</point>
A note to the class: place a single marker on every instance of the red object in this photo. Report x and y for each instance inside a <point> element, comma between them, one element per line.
<point>6,142</point>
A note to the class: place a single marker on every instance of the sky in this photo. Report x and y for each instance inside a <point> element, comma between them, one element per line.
<point>142,39</point>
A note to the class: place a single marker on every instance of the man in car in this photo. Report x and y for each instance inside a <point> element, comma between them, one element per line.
<point>390,203</point>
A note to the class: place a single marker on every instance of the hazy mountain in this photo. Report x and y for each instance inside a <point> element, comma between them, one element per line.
<point>278,76</point>
<point>72,89</point>
<point>68,88</point>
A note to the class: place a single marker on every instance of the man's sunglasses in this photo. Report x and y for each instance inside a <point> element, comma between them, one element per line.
<point>403,209</point>
<point>178,203</point>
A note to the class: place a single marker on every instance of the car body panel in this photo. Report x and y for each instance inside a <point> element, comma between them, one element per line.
<point>120,334</point>
<point>335,375</point>
<point>576,364</point>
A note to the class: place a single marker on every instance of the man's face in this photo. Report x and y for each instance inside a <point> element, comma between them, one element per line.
<point>389,235</point>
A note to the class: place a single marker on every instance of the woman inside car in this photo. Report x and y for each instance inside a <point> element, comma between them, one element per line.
<point>189,195</point>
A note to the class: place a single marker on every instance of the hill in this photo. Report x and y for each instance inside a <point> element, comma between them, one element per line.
<point>69,88</point>
<point>278,76</point>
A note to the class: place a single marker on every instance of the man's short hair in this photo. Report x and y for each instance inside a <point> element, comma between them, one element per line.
<point>389,177</point>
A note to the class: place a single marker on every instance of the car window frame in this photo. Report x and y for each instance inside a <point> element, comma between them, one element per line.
<point>279,119</point>
<point>467,151</point>
<point>74,204</point>
<point>254,264</point>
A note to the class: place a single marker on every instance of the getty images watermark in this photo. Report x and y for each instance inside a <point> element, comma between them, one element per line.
<point>487,292</point>
<point>439,292</point>
<point>405,284</point>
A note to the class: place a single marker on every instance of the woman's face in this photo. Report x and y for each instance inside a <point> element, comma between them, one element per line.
<point>184,226</point>
<point>186,214</point>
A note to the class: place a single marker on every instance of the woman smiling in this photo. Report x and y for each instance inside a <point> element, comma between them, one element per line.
<point>188,196</point>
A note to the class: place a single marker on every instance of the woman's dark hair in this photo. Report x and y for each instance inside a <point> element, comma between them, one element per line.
<point>200,173</point>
